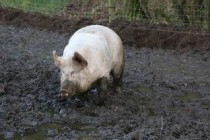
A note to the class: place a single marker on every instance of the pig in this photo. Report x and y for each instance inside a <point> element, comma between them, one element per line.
<point>93,54</point>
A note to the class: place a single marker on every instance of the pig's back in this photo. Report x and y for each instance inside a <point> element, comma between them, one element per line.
<point>99,45</point>
<point>105,34</point>
<point>114,43</point>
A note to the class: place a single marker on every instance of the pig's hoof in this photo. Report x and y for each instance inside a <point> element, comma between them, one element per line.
<point>79,103</point>
<point>119,90</point>
<point>99,101</point>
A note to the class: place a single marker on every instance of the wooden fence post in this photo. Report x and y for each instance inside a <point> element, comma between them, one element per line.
<point>111,10</point>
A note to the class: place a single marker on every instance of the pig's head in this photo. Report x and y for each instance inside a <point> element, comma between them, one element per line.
<point>74,74</point>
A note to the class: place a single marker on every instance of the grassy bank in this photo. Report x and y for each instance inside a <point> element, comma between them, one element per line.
<point>195,13</point>
<point>42,6</point>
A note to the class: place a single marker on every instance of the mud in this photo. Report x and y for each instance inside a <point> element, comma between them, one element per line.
<point>166,92</point>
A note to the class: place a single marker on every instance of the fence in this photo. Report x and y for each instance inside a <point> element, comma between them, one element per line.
<point>194,13</point>
<point>175,12</point>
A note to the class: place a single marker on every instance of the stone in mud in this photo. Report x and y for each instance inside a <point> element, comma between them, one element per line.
<point>9,135</point>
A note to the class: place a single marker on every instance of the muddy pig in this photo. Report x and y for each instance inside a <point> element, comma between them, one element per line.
<point>93,54</point>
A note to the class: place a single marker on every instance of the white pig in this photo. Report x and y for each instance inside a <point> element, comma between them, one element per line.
<point>93,54</point>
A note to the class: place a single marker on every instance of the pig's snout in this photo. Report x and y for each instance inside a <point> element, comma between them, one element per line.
<point>63,95</point>
<point>67,90</point>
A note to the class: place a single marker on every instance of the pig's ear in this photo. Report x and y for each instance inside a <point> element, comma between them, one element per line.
<point>79,60</point>
<point>57,59</point>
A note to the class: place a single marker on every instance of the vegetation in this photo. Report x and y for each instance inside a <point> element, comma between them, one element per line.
<point>184,12</point>
<point>43,6</point>
<point>176,12</point>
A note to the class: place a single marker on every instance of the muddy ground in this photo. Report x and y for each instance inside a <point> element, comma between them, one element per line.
<point>166,91</point>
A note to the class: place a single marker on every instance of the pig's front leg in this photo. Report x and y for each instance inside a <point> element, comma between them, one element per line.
<point>102,88</point>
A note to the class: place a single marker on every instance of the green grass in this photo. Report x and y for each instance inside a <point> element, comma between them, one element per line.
<point>189,96</point>
<point>48,7</point>
<point>206,104</point>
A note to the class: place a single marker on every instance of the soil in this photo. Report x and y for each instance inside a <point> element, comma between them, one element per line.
<point>166,92</point>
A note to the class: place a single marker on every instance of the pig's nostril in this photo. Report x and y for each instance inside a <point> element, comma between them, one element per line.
<point>62,97</point>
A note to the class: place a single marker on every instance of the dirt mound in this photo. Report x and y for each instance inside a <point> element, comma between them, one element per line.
<point>142,35</point>
<point>19,18</point>
<point>132,33</point>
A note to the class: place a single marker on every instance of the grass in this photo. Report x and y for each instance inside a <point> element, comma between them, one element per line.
<point>189,96</point>
<point>48,7</point>
<point>206,104</point>
<point>170,12</point>
<point>179,12</point>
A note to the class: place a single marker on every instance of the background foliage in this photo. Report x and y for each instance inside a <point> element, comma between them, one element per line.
<point>42,6</point>
<point>187,12</point>
<point>171,12</point>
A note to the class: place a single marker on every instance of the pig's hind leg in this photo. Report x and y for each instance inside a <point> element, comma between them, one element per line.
<point>117,74</point>
<point>102,90</point>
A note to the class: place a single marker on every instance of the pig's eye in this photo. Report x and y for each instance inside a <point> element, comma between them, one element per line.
<point>74,74</point>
